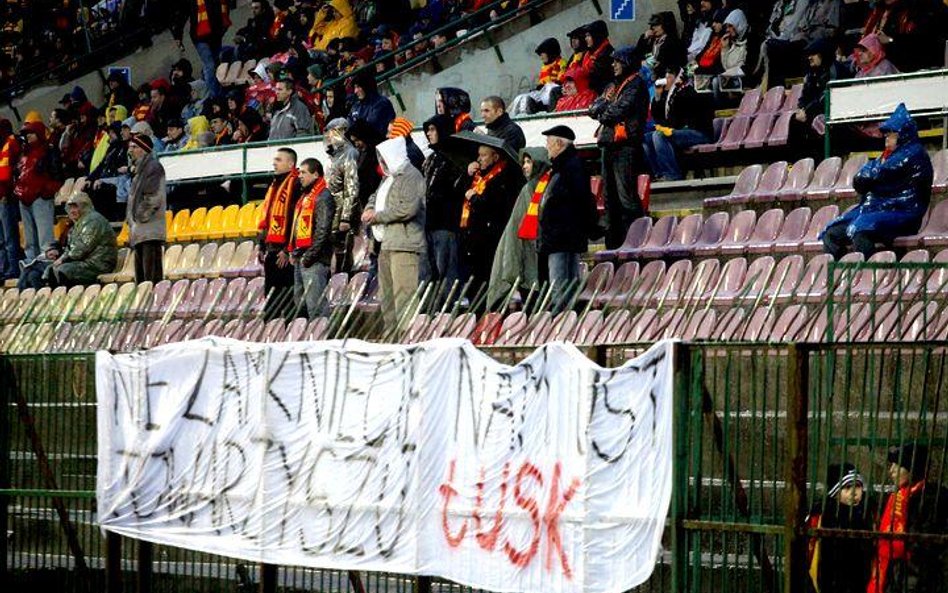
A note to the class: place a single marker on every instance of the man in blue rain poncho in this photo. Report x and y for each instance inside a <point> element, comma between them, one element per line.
<point>895,190</point>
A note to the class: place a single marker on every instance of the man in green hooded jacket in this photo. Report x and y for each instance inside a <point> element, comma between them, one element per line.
<point>90,249</point>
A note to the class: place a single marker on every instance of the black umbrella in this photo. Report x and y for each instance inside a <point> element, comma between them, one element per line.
<point>461,149</point>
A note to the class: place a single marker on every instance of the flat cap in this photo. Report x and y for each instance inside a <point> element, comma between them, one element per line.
<point>561,131</point>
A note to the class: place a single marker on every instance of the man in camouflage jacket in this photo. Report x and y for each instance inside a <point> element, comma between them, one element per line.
<point>90,250</point>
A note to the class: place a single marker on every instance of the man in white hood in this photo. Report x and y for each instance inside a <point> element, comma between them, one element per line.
<point>396,212</point>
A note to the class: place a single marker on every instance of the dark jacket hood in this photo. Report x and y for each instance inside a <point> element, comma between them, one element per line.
<point>550,47</point>
<point>364,131</point>
<point>599,31</point>
<point>901,121</point>
<point>366,80</point>
<point>456,101</point>
<point>444,125</point>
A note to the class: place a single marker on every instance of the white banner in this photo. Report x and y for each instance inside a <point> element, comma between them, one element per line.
<point>553,475</point>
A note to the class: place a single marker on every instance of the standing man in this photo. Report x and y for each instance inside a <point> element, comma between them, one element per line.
<point>278,208</point>
<point>210,19</point>
<point>343,182</point>
<point>567,214</point>
<point>397,215</point>
<point>499,124</point>
<point>10,252</point>
<point>445,185</point>
<point>291,117</point>
<point>622,112</point>
<point>311,243</point>
<point>145,214</point>
<point>370,106</point>
<point>34,189</point>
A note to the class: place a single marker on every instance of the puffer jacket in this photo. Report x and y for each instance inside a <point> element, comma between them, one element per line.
<point>342,25</point>
<point>895,190</point>
<point>343,182</point>
<point>92,243</point>
<point>34,178</point>
<point>147,202</point>
<point>399,201</point>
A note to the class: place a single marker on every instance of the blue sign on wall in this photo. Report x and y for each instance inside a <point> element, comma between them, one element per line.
<point>622,10</point>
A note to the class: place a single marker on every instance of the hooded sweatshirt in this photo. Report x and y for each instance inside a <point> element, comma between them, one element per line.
<point>196,126</point>
<point>399,204</point>
<point>734,51</point>
<point>879,65</point>
<point>374,109</point>
<point>445,183</point>
<point>343,24</point>
<point>196,105</point>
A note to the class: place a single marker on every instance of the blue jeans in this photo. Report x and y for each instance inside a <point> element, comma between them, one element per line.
<point>309,287</point>
<point>564,276</point>
<point>660,151</point>
<point>440,264</point>
<point>10,252</point>
<point>208,68</point>
<point>38,219</point>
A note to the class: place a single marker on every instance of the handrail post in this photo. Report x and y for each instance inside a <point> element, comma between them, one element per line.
<point>146,568</point>
<point>795,545</point>
<point>268,578</point>
<point>113,562</point>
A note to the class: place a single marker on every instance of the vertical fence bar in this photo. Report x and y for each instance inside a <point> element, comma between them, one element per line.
<point>268,578</point>
<point>679,539</point>
<point>113,563</point>
<point>146,566</point>
<point>795,547</point>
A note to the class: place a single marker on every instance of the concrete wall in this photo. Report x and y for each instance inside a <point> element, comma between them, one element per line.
<point>476,68</point>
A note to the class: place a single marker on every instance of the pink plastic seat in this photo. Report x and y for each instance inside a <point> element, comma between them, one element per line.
<point>634,237</point>
<point>563,326</point>
<point>703,280</point>
<point>758,133</point>
<point>296,330</point>
<point>192,330</point>
<point>798,179</point>
<point>251,331</point>
<point>739,229</point>
<point>824,178</point>
<point>177,295</point>
<point>597,282</point>
<point>462,326</point>
<point>712,231</point>
<point>730,280</point>
<point>780,133</point>
<point>214,327</point>
<point>844,183</point>
<point>511,328</point>
<point>785,279</point>
<point>791,233</point>
<point>255,298</point>
<point>416,329</point>
<point>750,102</point>
<point>789,323</point>
<point>935,233</point>
<point>674,283</point>
<point>622,282</point>
<point>671,324</point>
<point>438,326</point>
<point>701,325</point>
<point>756,278</point>
<point>658,237</point>
<point>918,322</point>
<point>908,282</point>
<point>232,301</point>
<point>759,327</point>
<point>213,298</point>
<point>873,284</point>
<point>614,327</point>
<point>317,329</point>
<point>685,234</point>
<point>764,233</point>
<point>158,300</point>
<point>645,285</point>
<point>940,165</point>
<point>938,279</point>
<point>773,101</point>
<point>775,175</point>
<point>733,137</point>
<point>744,186</point>
<point>811,242</point>
<point>793,98</point>
<point>643,327</point>
<point>191,303</point>
<point>588,327</point>
<point>729,325</point>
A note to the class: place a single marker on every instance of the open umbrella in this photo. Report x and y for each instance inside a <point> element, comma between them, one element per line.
<point>461,149</point>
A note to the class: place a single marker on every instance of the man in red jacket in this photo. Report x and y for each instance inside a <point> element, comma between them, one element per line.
<point>10,252</point>
<point>34,189</point>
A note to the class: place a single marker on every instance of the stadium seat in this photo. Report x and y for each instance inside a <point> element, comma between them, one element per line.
<point>789,323</point>
<point>317,329</point>
<point>203,263</point>
<point>658,237</point>
<point>870,284</point>
<point>222,259</point>
<point>125,274</point>
<point>940,166</point>
<point>244,256</point>
<point>487,329</point>
<point>211,223</point>
<point>274,331</point>
<point>231,302</point>
<point>644,287</point>
<point>844,183</point>
<point>729,324</point>
<point>229,226</point>
<point>212,299</point>
<point>121,302</point>
<point>233,74</point>
<point>179,226</point>
<point>255,297</point>
<point>791,233</point>
<point>729,281</point>
<point>251,331</point>
<point>793,98</point>
<point>765,232</point>
<point>636,235</point>
<point>700,325</point>
<point>773,100</point>
<point>780,133</point>
<point>614,328</point>
<point>685,234</point>
<point>756,279</point>
<point>703,280</point>
<point>738,230</point>
<point>759,326</point>
<point>563,326</point>
<point>588,327</point>
<point>597,282</point>
<point>750,102</point>
<point>121,239</point>
<point>461,326</point>
<point>744,186</point>
<point>247,220</point>
<point>785,279</point>
<point>712,230</point>
<point>757,134</point>
<point>195,225</point>
<point>296,330</point>
<point>918,322</point>
<point>938,280</point>
<point>674,283</point>
<point>642,326</point>
<point>732,139</point>
<point>770,183</point>
<point>214,327</point>
<point>511,328</point>
<point>811,240</point>
<point>621,283</point>
<point>935,233</point>
<point>176,297</point>
<point>798,179</point>
<point>184,262</point>
<point>221,72</point>
<point>824,178</point>
<point>191,303</point>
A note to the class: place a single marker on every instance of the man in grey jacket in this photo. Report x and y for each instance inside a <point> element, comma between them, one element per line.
<point>396,212</point>
<point>293,118</point>
<point>146,208</point>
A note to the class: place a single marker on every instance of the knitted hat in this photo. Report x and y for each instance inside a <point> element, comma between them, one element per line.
<point>839,476</point>
<point>400,127</point>
<point>142,141</point>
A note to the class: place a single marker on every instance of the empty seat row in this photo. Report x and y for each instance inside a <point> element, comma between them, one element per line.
<point>208,224</point>
<point>235,73</point>
<point>211,260</point>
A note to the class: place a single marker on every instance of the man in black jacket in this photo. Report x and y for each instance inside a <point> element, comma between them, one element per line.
<point>210,19</point>
<point>445,185</point>
<point>499,124</point>
<point>311,240</point>
<point>567,214</point>
<point>622,112</point>
<point>683,119</point>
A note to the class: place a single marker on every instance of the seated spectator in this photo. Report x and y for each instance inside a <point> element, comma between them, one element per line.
<point>180,78</point>
<point>549,82</point>
<point>334,20</point>
<point>869,58</point>
<point>577,96</point>
<point>370,106</point>
<point>697,29</point>
<point>116,115</point>
<point>733,51</point>
<point>822,67</point>
<point>333,105</point>
<point>661,46</point>
<point>90,248</point>
<point>260,93</point>
<point>223,134</point>
<point>783,41</point>
<point>144,128</point>
<point>291,118</point>
<point>250,127</point>
<point>597,61</point>
<point>455,103</point>
<point>119,91</point>
<point>401,128</point>
<point>143,105</point>
<point>682,120</point>
<point>253,39</point>
<point>197,126</point>
<point>895,190</point>
<point>841,564</point>
<point>195,104</point>
<point>162,109</point>
<point>914,38</point>
<point>708,62</point>
<point>176,138</point>
<point>33,270</point>
<point>577,43</point>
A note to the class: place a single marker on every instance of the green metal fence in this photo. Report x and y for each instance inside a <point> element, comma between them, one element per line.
<point>756,427</point>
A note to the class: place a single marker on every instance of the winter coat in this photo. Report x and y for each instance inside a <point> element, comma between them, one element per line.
<point>457,105</point>
<point>400,201</point>
<point>445,183</point>
<point>584,96</point>
<point>185,10</point>
<point>343,183</point>
<point>375,110</point>
<point>115,157</point>
<point>666,54</point>
<point>896,190</point>
<point>879,66</point>
<point>515,257</point>
<point>734,51</point>
<point>147,202</point>
<point>821,19</point>
<point>293,120</point>
<point>684,108</point>
<point>197,125</point>
<point>787,20</point>
<point>844,563</point>
<point>568,209</point>
<point>597,62</point>
<point>34,177</point>
<point>343,25</point>
<point>321,249</point>
<point>629,107</point>
<point>90,249</point>
<point>507,130</point>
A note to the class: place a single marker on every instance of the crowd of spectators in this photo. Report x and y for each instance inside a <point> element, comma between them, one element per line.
<point>483,190</point>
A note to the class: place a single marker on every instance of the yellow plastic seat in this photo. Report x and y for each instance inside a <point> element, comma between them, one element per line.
<point>249,219</point>
<point>125,273</point>
<point>170,258</point>
<point>211,221</point>
<point>122,238</point>
<point>228,227</point>
<point>195,225</point>
<point>179,226</point>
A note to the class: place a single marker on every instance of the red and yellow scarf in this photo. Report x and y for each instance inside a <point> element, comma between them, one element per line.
<point>276,206</point>
<point>203,26</point>
<point>479,185</point>
<point>305,210</point>
<point>894,520</point>
<point>277,25</point>
<point>6,169</point>
<point>460,120</point>
<point>530,225</point>
<point>554,72</point>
